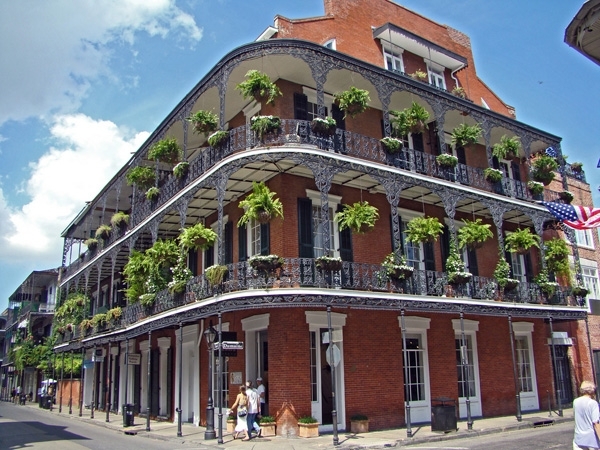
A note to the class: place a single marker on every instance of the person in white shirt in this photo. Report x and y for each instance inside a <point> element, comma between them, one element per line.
<point>587,418</point>
<point>260,389</point>
<point>253,405</point>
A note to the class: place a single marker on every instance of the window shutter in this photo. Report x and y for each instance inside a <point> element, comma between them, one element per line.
<point>338,115</point>
<point>433,139</point>
<point>209,256</point>
<point>528,267</point>
<point>445,240</point>
<point>516,172</point>
<point>193,262</point>
<point>495,163</point>
<point>305,231</point>
<point>429,256</point>
<point>460,154</point>
<point>472,257</point>
<point>242,243</point>
<point>228,243</point>
<point>300,106</point>
<point>418,142</point>
<point>265,229</point>
<point>345,242</point>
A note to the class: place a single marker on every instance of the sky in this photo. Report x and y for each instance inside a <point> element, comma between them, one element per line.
<point>83,84</point>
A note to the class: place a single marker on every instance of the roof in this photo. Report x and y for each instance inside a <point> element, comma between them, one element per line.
<point>583,33</point>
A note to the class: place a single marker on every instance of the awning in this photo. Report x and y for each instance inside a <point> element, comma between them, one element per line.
<point>560,338</point>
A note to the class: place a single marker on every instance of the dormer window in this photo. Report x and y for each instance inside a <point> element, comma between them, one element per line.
<point>436,76</point>
<point>330,44</point>
<point>393,60</point>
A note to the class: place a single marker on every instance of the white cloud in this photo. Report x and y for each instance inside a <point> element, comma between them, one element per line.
<point>52,50</point>
<point>86,154</point>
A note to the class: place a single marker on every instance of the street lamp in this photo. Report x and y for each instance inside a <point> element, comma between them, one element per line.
<point>210,334</point>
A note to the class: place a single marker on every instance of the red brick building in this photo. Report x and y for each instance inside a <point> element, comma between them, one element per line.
<point>353,331</point>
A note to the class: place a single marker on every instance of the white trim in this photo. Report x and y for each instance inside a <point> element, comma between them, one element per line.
<point>469,325</point>
<point>315,197</point>
<point>522,328</point>
<point>258,322</point>
<point>333,45</point>
<point>415,323</point>
<point>409,214</point>
<point>311,96</point>
<point>318,319</point>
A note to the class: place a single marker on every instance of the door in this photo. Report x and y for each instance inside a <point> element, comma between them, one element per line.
<point>321,378</point>
<point>562,375</point>
<point>416,380</point>
<point>468,376</point>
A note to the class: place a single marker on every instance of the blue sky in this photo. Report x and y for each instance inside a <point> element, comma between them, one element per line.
<point>82,88</point>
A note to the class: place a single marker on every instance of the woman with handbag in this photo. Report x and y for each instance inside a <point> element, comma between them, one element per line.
<point>241,404</point>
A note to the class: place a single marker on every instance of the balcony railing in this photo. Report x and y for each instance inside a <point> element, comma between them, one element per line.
<point>298,273</point>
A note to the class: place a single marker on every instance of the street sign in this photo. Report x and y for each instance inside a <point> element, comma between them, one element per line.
<point>97,358</point>
<point>333,350</point>
<point>232,345</point>
<point>134,359</point>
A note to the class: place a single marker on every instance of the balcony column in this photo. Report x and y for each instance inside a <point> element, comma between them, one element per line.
<point>449,199</point>
<point>515,373</point>
<point>556,381</point>
<point>99,269</point>
<point>221,186</point>
<point>570,234</point>
<point>319,72</point>
<point>185,112</point>
<point>113,262</point>
<point>393,189</point>
<point>538,225</point>
<point>497,209</point>
<point>486,129</point>
<point>439,111</point>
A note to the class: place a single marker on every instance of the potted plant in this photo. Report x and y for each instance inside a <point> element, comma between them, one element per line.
<point>141,176</point>
<point>91,244</point>
<point>547,287</point>
<point>152,193</point>
<point>465,135</point>
<point>493,175</point>
<point>353,101</point>
<point>396,268</point>
<point>455,267</point>
<point>359,423</point>
<point>99,320</point>
<point>391,145</point>
<point>359,217</point>
<point>418,75</point>
<point>473,234</point>
<point>166,150</point>
<point>197,237</point>
<point>268,426</point>
<point>423,229</point>
<point>262,125</point>
<point>535,187</point>
<point>328,263</point>
<point>566,196</point>
<point>119,220</point>
<point>181,169</point>
<point>576,167</point>
<point>86,325</point>
<point>218,138</point>
<point>542,169</point>
<point>556,256</point>
<point>579,291</point>
<point>413,119</point>
<point>308,427</point>
<point>446,160</point>
<point>259,86</point>
<point>204,121</point>
<point>214,274</point>
<point>459,92</point>
<point>325,125</point>
<point>260,205</point>
<point>103,232</point>
<point>267,265</point>
<point>114,314</point>
<point>507,148</point>
<point>521,240</point>
<point>231,421</point>
<point>502,275</point>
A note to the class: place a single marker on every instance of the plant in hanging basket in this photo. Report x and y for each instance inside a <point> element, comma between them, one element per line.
<point>181,169</point>
<point>455,267</point>
<point>359,217</point>
<point>547,287</point>
<point>502,275</point>
<point>396,268</point>
<point>166,150</point>
<point>353,101</point>
<point>152,193</point>
<point>91,244</point>
<point>119,220</point>
<point>423,229</point>
<point>566,196</point>
<point>576,167</point>
<point>459,92</point>
<point>218,138</point>
<point>419,75</point>
<point>197,237</point>
<point>542,169</point>
<point>535,187</point>
<point>214,274</point>
<point>142,177</point>
<point>507,148</point>
<point>103,232</point>
<point>464,135</point>
<point>473,234</point>
<point>446,160</point>
<point>391,145</point>
<point>556,256</point>
<point>493,175</point>
<point>258,85</point>
<point>410,120</point>
<point>521,240</point>
<point>266,263</point>
<point>328,263</point>
<point>260,205</point>
<point>262,125</point>
<point>325,126</point>
<point>204,121</point>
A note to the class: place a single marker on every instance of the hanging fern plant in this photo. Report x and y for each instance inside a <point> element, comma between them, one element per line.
<point>359,217</point>
<point>473,234</point>
<point>423,229</point>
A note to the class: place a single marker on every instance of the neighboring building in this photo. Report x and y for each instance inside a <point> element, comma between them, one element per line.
<point>3,376</point>
<point>583,33</point>
<point>29,316</point>
<point>467,342</point>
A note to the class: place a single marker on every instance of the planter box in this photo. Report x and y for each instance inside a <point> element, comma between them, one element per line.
<point>268,428</point>
<point>359,426</point>
<point>308,430</point>
<point>231,426</point>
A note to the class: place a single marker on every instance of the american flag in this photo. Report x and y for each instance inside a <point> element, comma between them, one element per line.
<point>551,152</point>
<point>578,217</point>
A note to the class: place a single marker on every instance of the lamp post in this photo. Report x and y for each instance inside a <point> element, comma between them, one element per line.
<point>210,334</point>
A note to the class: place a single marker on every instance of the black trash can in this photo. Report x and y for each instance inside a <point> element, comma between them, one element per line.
<point>48,401</point>
<point>127,415</point>
<point>443,415</point>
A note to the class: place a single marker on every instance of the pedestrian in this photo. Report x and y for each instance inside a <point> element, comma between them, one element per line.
<point>241,405</point>
<point>587,418</point>
<point>262,394</point>
<point>253,405</point>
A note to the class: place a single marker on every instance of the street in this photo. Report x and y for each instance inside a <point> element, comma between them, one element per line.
<point>559,436</point>
<point>33,428</point>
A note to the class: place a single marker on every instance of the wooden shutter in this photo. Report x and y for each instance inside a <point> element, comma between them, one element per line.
<point>445,241</point>
<point>242,243</point>
<point>193,262</point>
<point>472,256</point>
<point>429,256</point>
<point>305,230</point>
<point>338,115</point>
<point>169,406</point>
<point>345,242</point>
<point>228,243</point>
<point>265,229</point>
<point>300,106</point>
<point>418,142</point>
<point>433,139</point>
<point>209,256</point>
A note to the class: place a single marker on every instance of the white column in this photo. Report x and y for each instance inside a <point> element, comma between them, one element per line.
<point>144,376</point>
<point>164,344</point>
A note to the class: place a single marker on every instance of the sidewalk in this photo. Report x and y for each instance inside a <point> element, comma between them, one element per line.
<point>376,439</point>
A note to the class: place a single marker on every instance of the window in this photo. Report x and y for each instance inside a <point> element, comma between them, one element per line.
<point>584,238</point>
<point>526,377</point>
<point>413,251</point>
<point>414,386</point>
<point>393,60</point>
<point>436,77</point>
<point>334,235</point>
<point>312,110</point>
<point>523,363</point>
<point>590,280</point>
<point>330,44</point>
<point>254,238</point>
<point>466,375</point>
